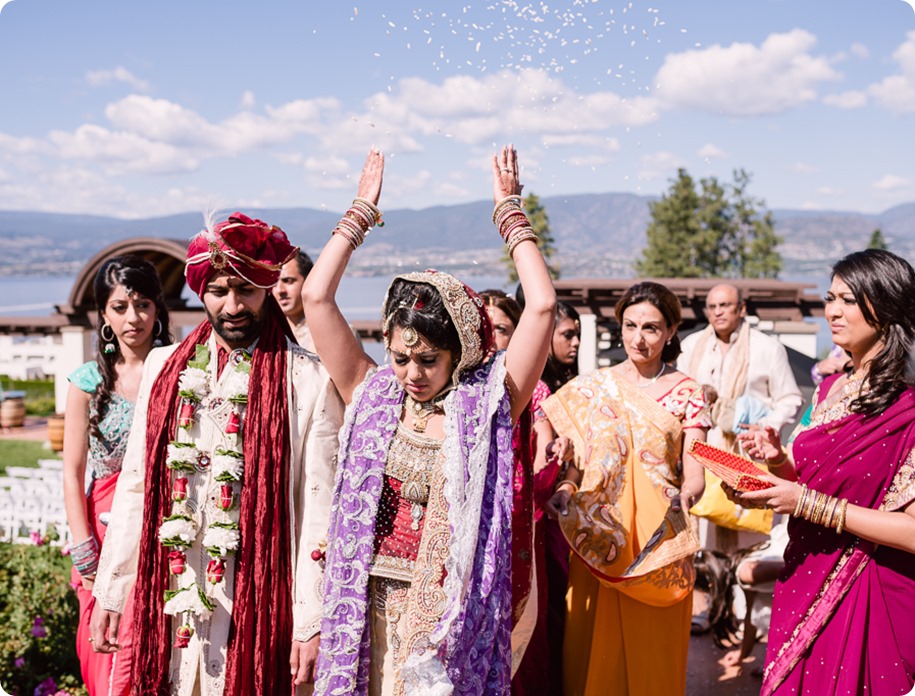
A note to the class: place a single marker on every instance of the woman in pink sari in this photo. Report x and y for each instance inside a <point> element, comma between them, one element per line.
<point>132,317</point>
<point>843,606</point>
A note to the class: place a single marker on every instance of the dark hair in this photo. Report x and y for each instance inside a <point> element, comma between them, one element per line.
<point>662,299</point>
<point>555,373</point>
<point>884,288</point>
<point>136,275</point>
<point>501,301</point>
<point>420,307</point>
<point>305,263</point>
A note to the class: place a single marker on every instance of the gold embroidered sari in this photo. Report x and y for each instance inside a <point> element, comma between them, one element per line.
<point>632,575</point>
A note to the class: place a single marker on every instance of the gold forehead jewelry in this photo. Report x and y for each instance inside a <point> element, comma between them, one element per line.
<point>409,336</point>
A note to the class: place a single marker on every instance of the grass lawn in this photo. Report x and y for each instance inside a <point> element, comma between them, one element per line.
<point>23,453</point>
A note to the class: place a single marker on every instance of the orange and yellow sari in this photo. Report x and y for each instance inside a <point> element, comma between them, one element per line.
<point>631,577</point>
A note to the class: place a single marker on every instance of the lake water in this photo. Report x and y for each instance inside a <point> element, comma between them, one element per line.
<point>359,298</point>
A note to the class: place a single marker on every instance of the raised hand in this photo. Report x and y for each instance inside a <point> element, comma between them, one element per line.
<point>372,174</point>
<point>505,174</point>
<point>761,443</point>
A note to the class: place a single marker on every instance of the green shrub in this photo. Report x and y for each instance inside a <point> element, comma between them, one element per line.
<point>40,406</point>
<point>33,388</point>
<point>38,619</point>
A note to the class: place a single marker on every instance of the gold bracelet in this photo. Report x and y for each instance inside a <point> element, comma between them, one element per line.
<point>819,508</point>
<point>568,482</point>
<point>780,463</point>
<point>843,508</point>
<point>528,236</point>
<point>505,202</point>
<point>800,501</point>
<point>830,512</point>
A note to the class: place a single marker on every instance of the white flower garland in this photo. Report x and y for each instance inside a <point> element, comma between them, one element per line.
<point>221,537</point>
<point>189,599</point>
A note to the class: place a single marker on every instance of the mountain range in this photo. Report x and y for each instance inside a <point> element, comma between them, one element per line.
<point>596,235</point>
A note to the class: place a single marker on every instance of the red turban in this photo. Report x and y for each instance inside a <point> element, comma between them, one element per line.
<point>249,249</point>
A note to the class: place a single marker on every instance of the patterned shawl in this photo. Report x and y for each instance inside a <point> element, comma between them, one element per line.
<point>466,649</point>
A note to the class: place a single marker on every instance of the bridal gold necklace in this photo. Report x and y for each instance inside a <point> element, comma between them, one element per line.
<point>422,411</point>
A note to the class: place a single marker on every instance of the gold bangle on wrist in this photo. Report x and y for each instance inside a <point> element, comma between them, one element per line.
<point>843,508</point>
<point>570,484</point>
<point>780,462</point>
<point>800,501</point>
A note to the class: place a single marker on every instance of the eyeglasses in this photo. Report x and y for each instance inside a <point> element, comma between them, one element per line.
<point>720,305</point>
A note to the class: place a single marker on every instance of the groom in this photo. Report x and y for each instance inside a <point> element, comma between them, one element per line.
<point>221,511</point>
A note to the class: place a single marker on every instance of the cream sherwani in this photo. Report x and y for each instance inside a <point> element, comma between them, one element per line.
<point>315,417</point>
<point>769,376</point>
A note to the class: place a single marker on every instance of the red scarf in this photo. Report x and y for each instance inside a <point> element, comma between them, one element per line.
<point>260,638</point>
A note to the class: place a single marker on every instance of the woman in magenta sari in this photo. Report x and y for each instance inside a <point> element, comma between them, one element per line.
<point>132,317</point>
<point>843,606</point>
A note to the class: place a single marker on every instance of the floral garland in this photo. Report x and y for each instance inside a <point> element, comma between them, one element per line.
<point>180,529</point>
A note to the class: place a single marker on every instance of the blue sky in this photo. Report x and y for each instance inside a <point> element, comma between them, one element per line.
<point>136,110</point>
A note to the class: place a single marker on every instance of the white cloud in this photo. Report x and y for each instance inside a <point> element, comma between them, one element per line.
<point>830,191</point>
<point>891,182</point>
<point>100,78</point>
<point>897,92</point>
<point>743,79</point>
<point>846,100</point>
<point>803,168</point>
<point>581,140</point>
<point>709,151</point>
<point>859,50</point>
<point>121,152</point>
<point>248,102</point>
<point>478,110</point>
<point>659,165</point>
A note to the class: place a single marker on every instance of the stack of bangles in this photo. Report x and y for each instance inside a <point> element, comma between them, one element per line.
<point>356,222</point>
<point>573,487</point>
<point>85,557</point>
<point>513,224</point>
<point>820,508</point>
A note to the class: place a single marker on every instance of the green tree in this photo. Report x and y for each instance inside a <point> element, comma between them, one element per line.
<point>540,223</point>
<point>877,240</point>
<point>715,230</point>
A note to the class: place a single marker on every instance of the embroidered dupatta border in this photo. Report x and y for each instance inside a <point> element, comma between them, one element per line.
<point>852,563</point>
<point>635,407</point>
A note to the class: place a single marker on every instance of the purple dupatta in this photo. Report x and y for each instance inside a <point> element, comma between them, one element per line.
<point>470,648</point>
<point>842,609</point>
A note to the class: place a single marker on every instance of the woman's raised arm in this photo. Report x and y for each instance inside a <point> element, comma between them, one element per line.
<point>344,358</point>
<point>526,354</point>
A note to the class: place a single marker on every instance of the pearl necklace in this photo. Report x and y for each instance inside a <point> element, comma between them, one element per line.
<point>653,379</point>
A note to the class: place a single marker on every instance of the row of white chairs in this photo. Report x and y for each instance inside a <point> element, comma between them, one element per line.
<point>32,500</point>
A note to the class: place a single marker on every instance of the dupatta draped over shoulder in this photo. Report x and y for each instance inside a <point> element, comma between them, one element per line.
<point>460,595</point>
<point>620,522</point>
<point>843,607</point>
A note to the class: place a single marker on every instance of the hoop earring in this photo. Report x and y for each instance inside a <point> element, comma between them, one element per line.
<point>109,346</point>
<point>157,341</point>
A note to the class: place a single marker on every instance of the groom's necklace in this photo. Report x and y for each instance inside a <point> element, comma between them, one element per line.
<point>654,379</point>
<point>422,411</point>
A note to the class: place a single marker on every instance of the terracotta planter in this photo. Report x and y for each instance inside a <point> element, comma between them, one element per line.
<point>56,432</point>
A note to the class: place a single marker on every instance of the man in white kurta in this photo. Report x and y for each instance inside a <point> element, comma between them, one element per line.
<point>205,503</point>
<point>748,379</point>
